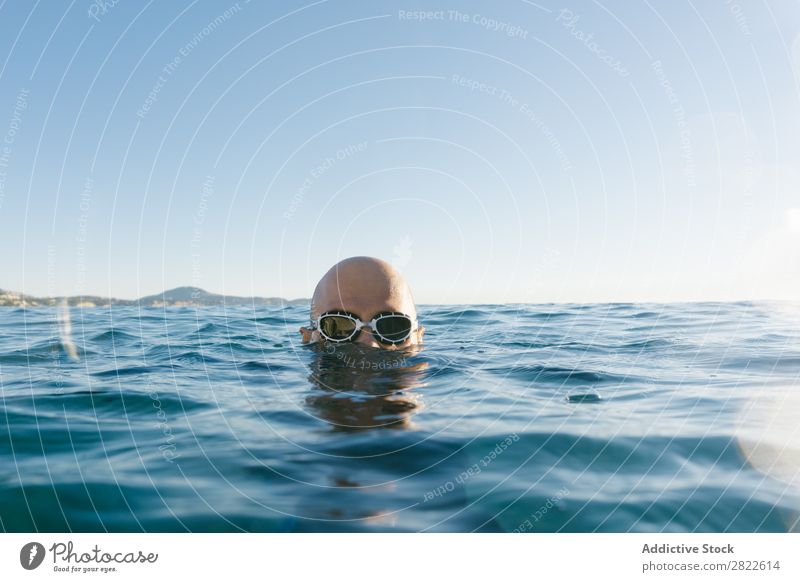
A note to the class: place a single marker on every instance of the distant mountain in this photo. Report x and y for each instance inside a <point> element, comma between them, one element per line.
<point>197,296</point>
<point>178,297</point>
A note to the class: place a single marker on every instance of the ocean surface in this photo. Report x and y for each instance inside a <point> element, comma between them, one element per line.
<point>512,418</point>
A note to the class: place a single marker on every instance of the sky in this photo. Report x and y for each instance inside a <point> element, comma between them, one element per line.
<point>494,152</point>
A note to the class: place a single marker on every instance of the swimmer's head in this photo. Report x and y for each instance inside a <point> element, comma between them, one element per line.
<point>364,287</point>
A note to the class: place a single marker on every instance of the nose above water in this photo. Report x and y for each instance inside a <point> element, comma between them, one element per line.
<point>365,338</point>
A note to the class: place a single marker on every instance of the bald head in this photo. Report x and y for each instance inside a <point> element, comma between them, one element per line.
<point>365,287</point>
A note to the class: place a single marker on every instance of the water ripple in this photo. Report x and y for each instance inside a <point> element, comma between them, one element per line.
<point>617,417</point>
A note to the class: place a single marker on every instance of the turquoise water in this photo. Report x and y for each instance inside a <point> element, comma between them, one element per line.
<point>603,417</point>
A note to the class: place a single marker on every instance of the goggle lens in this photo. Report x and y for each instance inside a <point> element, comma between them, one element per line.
<point>393,329</point>
<point>337,327</point>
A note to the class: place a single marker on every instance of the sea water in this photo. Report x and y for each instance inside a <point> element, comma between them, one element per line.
<point>512,418</point>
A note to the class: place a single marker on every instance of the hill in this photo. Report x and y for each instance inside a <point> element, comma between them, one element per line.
<point>177,297</point>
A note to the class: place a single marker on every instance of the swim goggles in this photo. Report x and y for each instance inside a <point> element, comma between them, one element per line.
<point>390,327</point>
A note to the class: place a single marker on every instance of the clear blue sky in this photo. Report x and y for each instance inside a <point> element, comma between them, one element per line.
<point>494,151</point>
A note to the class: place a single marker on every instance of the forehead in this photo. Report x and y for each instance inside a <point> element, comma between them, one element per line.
<point>363,302</point>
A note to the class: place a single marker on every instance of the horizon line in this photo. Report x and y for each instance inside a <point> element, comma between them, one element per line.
<point>308,299</point>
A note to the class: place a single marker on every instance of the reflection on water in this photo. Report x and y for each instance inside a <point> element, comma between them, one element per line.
<point>358,387</point>
<point>355,389</point>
